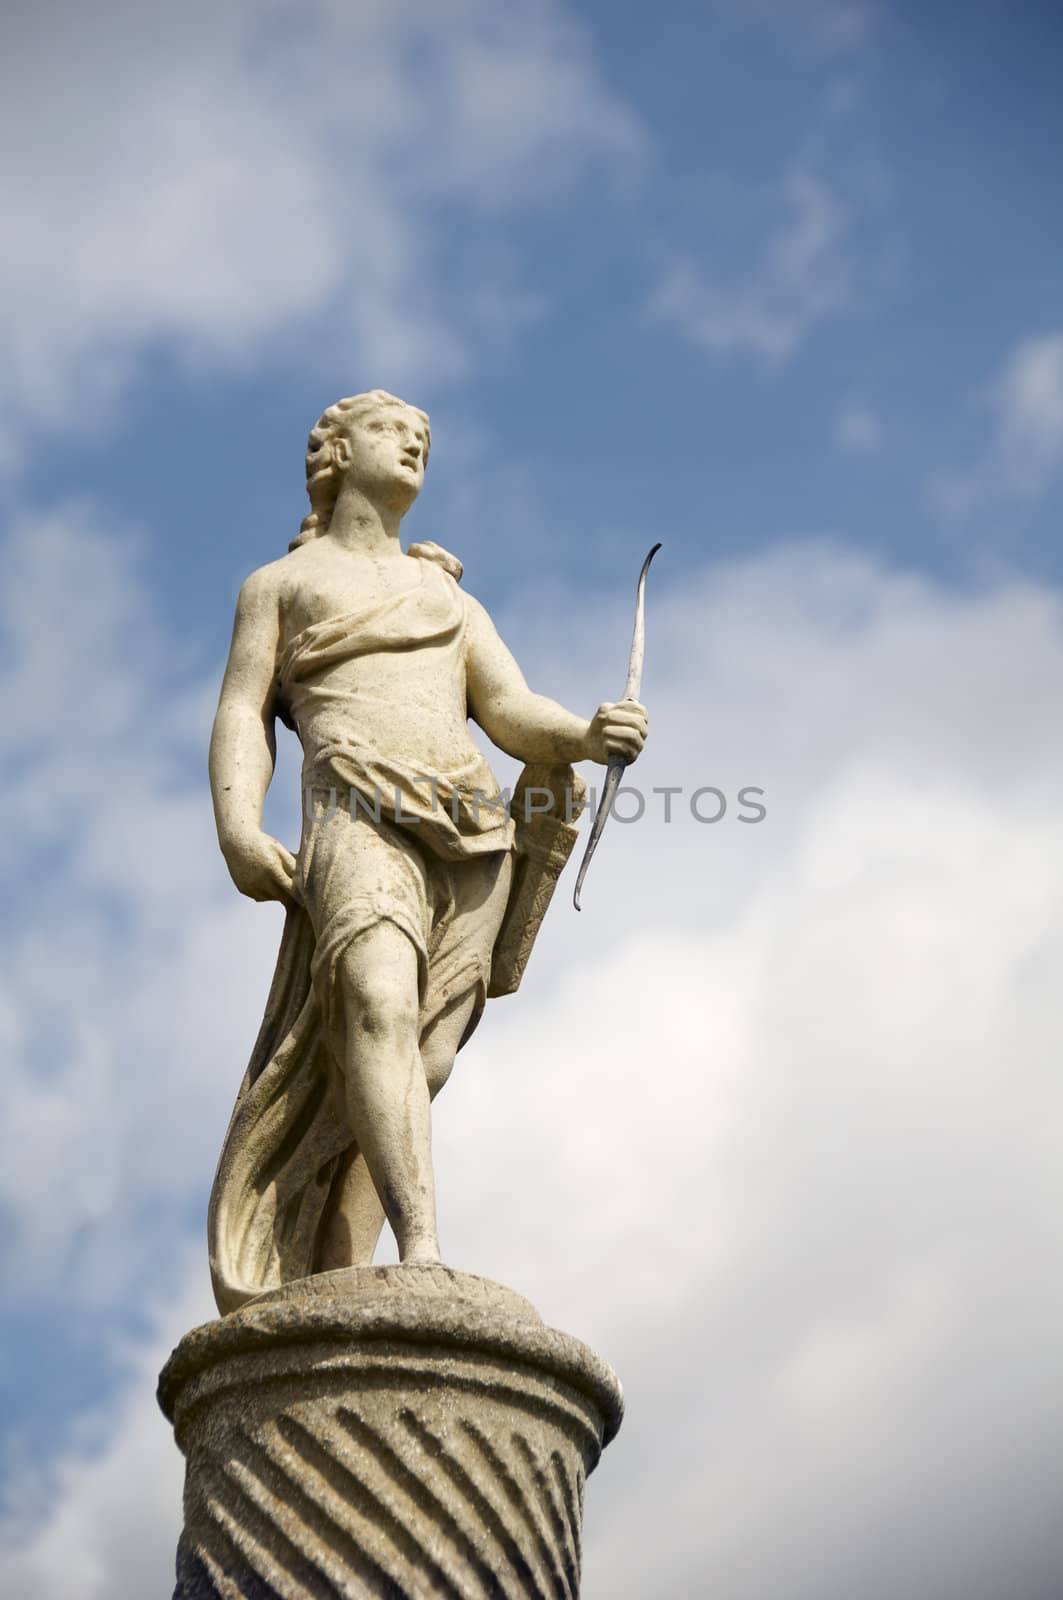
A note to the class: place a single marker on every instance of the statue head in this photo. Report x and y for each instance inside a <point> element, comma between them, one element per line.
<point>374,440</point>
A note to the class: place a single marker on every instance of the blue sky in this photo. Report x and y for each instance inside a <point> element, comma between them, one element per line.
<point>777,283</point>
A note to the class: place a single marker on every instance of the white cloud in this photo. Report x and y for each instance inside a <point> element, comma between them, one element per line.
<point>116,1508</point>
<point>1024,455</point>
<point>806,1111</point>
<point>799,273</point>
<point>118,916</point>
<point>215,177</point>
<point>775,1124</point>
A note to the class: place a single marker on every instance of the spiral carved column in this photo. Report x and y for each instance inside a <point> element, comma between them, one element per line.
<point>385,1431</point>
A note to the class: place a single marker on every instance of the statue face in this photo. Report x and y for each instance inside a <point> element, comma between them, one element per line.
<point>385,454</point>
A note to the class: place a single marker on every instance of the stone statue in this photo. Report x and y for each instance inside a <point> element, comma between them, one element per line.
<point>350,1430</point>
<point>414,894</point>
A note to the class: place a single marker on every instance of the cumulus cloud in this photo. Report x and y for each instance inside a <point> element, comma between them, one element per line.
<point>799,1080</point>
<point>115,1508</point>
<point>775,1124</point>
<point>118,916</point>
<point>222,177</point>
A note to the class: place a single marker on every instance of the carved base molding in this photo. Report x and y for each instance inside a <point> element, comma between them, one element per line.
<point>398,1432</point>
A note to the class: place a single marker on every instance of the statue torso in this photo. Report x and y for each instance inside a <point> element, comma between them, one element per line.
<point>326,581</point>
<point>372,654</point>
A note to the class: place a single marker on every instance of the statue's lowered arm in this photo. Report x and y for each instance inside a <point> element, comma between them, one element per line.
<point>243,748</point>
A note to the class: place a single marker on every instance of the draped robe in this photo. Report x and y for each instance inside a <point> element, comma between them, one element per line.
<point>366,692</point>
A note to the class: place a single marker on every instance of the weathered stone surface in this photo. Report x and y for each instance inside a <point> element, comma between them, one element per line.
<point>352,1430</point>
<point>416,892</point>
<point>385,1431</point>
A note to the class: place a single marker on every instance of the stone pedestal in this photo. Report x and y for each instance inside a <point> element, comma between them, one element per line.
<point>385,1431</point>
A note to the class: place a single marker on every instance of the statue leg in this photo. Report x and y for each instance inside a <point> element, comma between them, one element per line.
<point>440,1041</point>
<point>391,1068</point>
<point>377,1043</point>
<point>354,1217</point>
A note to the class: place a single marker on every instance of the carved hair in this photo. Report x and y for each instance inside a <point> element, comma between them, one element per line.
<point>322,477</point>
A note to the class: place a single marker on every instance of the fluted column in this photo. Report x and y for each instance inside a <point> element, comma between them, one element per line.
<point>385,1431</point>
